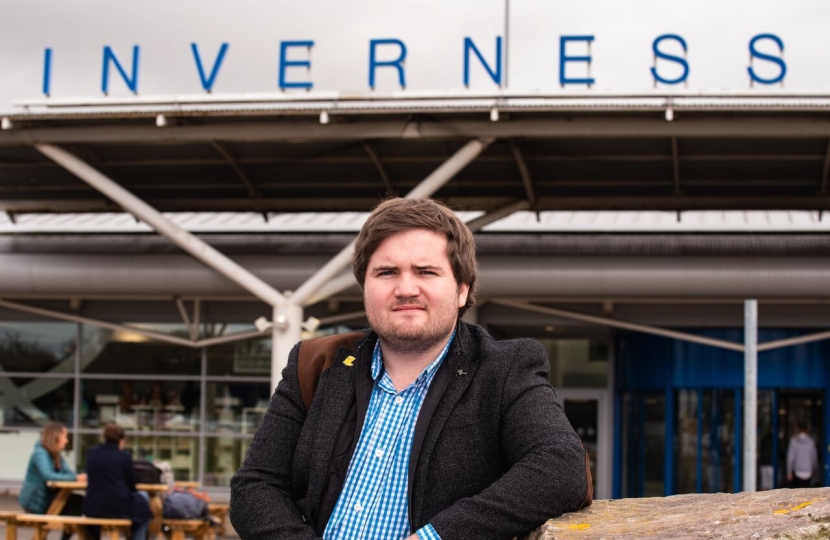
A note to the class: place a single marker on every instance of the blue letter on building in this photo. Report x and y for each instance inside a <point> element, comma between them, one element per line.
<point>397,63</point>
<point>207,83</point>
<point>132,82</point>
<point>495,74</point>
<point>285,63</point>
<point>47,70</point>
<point>677,59</point>
<point>563,58</point>
<point>754,53</point>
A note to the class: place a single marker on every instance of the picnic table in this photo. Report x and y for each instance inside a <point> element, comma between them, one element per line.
<point>65,489</point>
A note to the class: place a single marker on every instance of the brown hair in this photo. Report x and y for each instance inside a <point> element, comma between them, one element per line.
<point>113,433</point>
<point>49,440</point>
<point>397,215</point>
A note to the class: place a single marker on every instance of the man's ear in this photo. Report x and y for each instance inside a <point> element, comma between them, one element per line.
<point>463,291</point>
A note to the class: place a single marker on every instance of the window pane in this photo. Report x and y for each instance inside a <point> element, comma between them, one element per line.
<point>141,405</point>
<point>223,459</point>
<point>577,362</point>
<point>40,347</point>
<point>181,452</point>
<point>236,407</point>
<point>118,352</point>
<point>16,448</point>
<point>644,445</point>
<point>251,357</point>
<point>34,402</point>
<point>685,447</point>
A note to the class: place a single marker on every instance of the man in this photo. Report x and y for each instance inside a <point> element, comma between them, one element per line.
<point>802,458</point>
<point>422,428</point>
<point>111,491</point>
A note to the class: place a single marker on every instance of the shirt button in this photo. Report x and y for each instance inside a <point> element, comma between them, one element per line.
<point>358,507</point>
<point>398,400</point>
<point>379,453</point>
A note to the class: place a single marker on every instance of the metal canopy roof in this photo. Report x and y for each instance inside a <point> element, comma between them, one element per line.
<point>581,159</point>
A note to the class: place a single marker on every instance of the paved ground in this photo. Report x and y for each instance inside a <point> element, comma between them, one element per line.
<point>8,502</point>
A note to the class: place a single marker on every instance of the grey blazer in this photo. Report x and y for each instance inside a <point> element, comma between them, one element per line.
<point>493,456</point>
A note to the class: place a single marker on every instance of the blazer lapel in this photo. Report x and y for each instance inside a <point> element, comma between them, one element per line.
<point>338,399</point>
<point>444,393</point>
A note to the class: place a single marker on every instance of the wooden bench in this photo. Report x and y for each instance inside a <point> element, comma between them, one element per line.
<point>43,522</point>
<point>220,513</point>
<point>11,524</point>
<point>198,528</point>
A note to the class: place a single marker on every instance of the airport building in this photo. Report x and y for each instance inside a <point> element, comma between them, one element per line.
<point>180,186</point>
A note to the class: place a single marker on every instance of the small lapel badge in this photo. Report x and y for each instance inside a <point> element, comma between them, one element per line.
<point>349,361</point>
<point>461,372</point>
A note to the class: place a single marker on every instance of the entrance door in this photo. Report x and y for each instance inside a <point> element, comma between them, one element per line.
<point>794,407</point>
<point>587,413</point>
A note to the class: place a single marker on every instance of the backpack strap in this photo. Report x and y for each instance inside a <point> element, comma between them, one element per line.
<point>317,355</point>
<point>589,496</point>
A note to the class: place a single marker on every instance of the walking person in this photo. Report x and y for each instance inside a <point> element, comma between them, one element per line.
<point>111,491</point>
<point>48,465</point>
<point>802,458</point>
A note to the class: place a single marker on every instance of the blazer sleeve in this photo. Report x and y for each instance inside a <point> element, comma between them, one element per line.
<point>546,471</point>
<point>262,506</point>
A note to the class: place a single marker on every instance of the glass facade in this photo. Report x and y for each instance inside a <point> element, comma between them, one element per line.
<point>194,408</point>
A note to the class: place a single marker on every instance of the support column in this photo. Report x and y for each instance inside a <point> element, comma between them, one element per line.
<point>286,332</point>
<point>750,392</point>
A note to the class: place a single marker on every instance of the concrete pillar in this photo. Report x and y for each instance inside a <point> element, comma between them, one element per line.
<point>285,334</point>
<point>750,392</point>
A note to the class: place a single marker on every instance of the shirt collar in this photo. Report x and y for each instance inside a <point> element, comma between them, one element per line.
<point>377,359</point>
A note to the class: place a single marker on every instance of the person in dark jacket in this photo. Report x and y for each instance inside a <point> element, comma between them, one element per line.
<point>424,427</point>
<point>111,491</point>
<point>46,465</point>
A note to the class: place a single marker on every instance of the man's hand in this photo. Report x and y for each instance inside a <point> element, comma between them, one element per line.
<point>412,537</point>
<point>81,477</point>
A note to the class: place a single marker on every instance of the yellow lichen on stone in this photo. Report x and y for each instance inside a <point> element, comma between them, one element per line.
<point>794,508</point>
<point>579,526</point>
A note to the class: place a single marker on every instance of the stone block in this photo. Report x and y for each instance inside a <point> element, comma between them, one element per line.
<point>794,514</point>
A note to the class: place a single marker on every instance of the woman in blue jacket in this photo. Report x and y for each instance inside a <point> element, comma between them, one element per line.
<point>47,464</point>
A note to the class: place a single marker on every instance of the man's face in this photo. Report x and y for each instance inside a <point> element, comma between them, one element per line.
<point>411,296</point>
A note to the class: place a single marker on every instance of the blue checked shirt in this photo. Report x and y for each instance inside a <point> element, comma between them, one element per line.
<point>373,504</point>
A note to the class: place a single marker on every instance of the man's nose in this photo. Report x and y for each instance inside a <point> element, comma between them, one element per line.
<point>407,286</point>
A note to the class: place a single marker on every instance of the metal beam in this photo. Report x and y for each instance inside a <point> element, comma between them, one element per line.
<point>614,323</point>
<point>379,166</point>
<point>461,202</point>
<point>188,242</point>
<point>800,340</point>
<point>500,213</point>
<point>157,336</point>
<point>427,187</point>
<point>524,172</point>
<point>566,126</point>
<point>191,329</point>
<point>237,167</point>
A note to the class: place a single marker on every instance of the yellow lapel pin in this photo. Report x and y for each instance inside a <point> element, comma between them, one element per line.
<point>349,361</point>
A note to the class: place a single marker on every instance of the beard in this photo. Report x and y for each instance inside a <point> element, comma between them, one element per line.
<point>414,334</point>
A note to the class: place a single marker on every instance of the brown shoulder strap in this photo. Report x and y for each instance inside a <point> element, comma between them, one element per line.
<point>589,496</point>
<point>316,356</point>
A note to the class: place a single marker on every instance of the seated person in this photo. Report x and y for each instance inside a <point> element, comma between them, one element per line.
<point>111,491</point>
<point>46,465</point>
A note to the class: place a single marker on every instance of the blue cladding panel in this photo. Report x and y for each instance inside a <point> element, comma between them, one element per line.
<point>650,362</point>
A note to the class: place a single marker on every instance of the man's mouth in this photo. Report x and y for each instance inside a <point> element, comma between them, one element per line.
<point>408,307</point>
